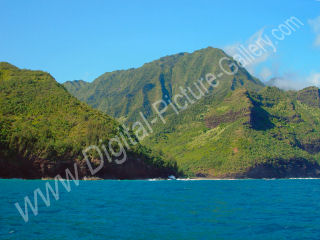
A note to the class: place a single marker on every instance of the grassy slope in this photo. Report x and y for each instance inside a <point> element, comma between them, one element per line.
<point>122,94</point>
<point>241,131</point>
<point>40,120</point>
<point>226,133</point>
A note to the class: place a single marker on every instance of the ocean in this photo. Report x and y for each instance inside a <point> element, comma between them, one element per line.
<point>141,209</point>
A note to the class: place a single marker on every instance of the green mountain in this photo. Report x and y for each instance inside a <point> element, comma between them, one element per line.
<point>75,85</point>
<point>123,94</point>
<point>238,129</point>
<point>43,130</point>
<point>269,133</point>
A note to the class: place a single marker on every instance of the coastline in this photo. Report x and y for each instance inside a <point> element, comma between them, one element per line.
<point>165,179</point>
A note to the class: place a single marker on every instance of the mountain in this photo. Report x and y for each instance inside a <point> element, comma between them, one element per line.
<point>238,129</point>
<point>264,134</point>
<point>75,85</point>
<point>123,94</point>
<point>43,131</point>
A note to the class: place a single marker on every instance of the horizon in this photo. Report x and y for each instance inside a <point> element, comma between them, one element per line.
<point>146,94</point>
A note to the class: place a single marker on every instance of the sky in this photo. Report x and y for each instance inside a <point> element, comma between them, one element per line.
<point>83,39</point>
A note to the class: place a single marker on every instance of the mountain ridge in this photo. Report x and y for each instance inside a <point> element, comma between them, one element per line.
<point>123,94</point>
<point>245,134</point>
<point>44,130</point>
<point>239,129</point>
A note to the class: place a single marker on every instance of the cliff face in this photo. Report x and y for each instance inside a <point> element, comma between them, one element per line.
<point>294,168</point>
<point>134,168</point>
<point>309,96</point>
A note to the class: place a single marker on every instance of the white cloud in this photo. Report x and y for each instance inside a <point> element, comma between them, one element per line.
<point>289,81</point>
<point>314,79</point>
<point>293,81</point>
<point>265,73</point>
<point>286,81</point>
<point>233,50</point>
<point>315,24</point>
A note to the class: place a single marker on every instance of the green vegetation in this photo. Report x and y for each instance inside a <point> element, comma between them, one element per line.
<point>239,126</point>
<point>123,94</point>
<point>239,129</point>
<point>43,127</point>
<point>242,131</point>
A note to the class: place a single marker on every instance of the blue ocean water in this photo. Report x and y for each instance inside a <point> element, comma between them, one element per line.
<point>238,209</point>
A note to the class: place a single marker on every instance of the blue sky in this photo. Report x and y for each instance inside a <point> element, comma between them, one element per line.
<point>84,39</point>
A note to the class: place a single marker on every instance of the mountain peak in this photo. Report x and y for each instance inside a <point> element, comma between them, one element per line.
<point>6,65</point>
<point>123,94</point>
